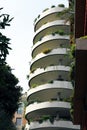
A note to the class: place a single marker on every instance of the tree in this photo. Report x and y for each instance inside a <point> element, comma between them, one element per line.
<point>4,20</point>
<point>4,41</point>
<point>4,46</point>
<point>10,93</point>
<point>5,122</point>
<point>68,14</point>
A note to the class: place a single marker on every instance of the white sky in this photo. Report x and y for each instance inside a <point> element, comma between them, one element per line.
<point>21,32</point>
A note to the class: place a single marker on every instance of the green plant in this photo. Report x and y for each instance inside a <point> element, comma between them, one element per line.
<point>72,66</point>
<point>52,6</point>
<point>56,32</point>
<point>40,38</point>
<point>83,37</point>
<point>47,51</point>
<point>67,99</point>
<point>45,9</point>
<point>51,81</point>
<point>68,15</point>
<point>61,32</point>
<point>53,33</point>
<point>27,76</point>
<point>45,22</point>
<point>34,85</point>
<point>54,99</point>
<point>61,5</point>
<point>31,120</point>
<point>72,105</point>
<point>73,51</point>
<point>39,16</point>
<point>45,117</point>
<point>51,65</point>
<point>10,91</point>
<point>35,20</point>
<point>32,71</point>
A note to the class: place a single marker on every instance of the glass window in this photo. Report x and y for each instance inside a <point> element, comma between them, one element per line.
<point>20,110</point>
<point>18,121</point>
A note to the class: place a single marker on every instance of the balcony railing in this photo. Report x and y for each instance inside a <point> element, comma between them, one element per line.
<point>59,124</point>
<point>50,107</point>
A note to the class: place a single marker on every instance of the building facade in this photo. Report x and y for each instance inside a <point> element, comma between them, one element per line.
<point>49,80</point>
<point>19,116</point>
<point>80,95</point>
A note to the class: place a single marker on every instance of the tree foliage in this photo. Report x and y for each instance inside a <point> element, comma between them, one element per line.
<point>4,48</point>
<point>4,41</point>
<point>4,20</point>
<point>72,54</point>
<point>68,13</point>
<point>6,122</point>
<point>10,93</point>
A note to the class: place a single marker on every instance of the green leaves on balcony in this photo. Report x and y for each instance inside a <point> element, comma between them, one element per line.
<point>45,9</point>
<point>61,5</point>
<point>47,51</point>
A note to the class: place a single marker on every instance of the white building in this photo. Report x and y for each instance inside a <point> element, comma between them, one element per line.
<point>49,80</point>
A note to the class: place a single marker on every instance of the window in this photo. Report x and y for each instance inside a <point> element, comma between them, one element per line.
<point>18,121</point>
<point>20,110</point>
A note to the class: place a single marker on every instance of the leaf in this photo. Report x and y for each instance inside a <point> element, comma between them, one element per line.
<point>1,8</point>
<point>11,19</point>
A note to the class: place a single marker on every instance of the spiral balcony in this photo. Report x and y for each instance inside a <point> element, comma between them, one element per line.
<point>50,58</point>
<point>36,110</point>
<point>51,41</point>
<point>47,15</point>
<point>49,28</point>
<point>50,91</point>
<point>44,75</point>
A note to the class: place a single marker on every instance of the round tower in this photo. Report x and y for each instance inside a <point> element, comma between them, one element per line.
<point>49,80</point>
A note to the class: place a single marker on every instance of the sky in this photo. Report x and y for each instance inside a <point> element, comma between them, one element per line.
<point>21,33</point>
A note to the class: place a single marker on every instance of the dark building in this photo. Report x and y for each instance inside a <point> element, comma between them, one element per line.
<point>80,96</point>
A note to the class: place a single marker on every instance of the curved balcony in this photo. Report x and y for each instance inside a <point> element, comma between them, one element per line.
<point>50,91</point>
<point>50,41</point>
<point>48,108</point>
<point>49,28</point>
<point>52,57</point>
<point>44,75</point>
<point>56,125</point>
<point>46,16</point>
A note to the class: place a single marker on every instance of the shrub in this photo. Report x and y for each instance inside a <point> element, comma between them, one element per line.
<point>45,9</point>
<point>39,16</point>
<point>61,5</point>
<point>47,51</point>
<point>35,20</point>
<point>61,32</point>
<point>52,6</point>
